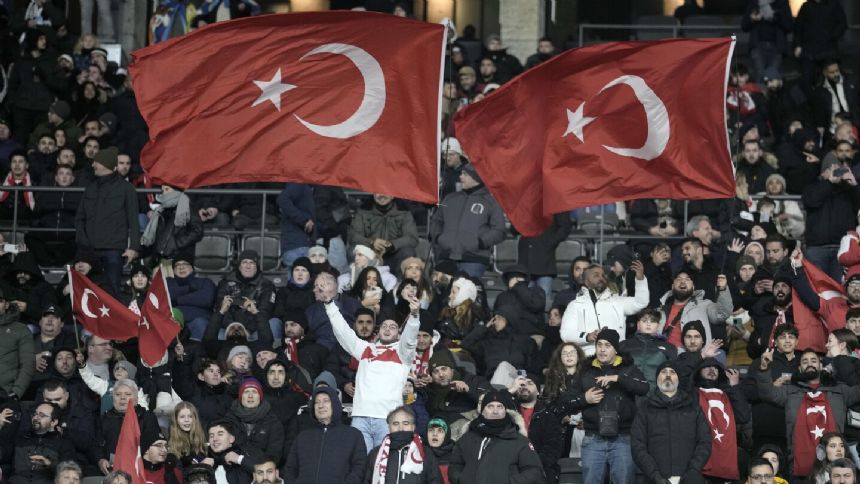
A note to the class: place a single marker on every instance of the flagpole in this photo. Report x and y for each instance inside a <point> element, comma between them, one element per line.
<point>72,300</point>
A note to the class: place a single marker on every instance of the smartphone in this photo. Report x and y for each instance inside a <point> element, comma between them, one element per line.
<point>10,248</point>
<point>521,373</point>
<point>840,171</point>
<point>785,375</point>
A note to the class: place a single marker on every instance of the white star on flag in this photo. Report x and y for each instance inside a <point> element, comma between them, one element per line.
<point>818,432</point>
<point>718,436</point>
<point>272,90</point>
<point>105,311</point>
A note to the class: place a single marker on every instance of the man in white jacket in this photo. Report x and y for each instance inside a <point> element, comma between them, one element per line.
<point>596,307</point>
<point>382,369</point>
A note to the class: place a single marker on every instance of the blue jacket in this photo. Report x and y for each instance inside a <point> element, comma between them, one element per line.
<point>327,454</point>
<point>194,296</point>
<point>296,202</point>
<point>321,326</point>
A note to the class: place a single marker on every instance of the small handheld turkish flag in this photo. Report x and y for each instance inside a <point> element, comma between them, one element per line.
<point>98,311</point>
<point>157,327</point>
<point>813,328</point>
<point>330,98</point>
<point>127,457</point>
<point>610,122</point>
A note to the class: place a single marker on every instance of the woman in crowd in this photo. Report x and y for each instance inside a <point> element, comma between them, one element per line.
<point>413,268</point>
<point>187,439</point>
<point>833,445</point>
<point>368,289</point>
<point>563,370</point>
<point>364,257</point>
<point>462,314</point>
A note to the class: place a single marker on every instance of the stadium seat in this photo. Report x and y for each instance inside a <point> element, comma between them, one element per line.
<point>505,253</point>
<point>602,249</point>
<point>423,248</point>
<point>213,253</point>
<point>655,34</point>
<point>566,251</point>
<point>590,223</point>
<point>493,285</point>
<point>271,250</point>
<point>571,471</point>
<point>705,21</point>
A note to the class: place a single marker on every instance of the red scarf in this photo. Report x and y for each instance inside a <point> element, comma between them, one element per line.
<point>291,349</point>
<point>717,408</point>
<point>420,363</point>
<point>814,419</point>
<point>29,199</point>
<point>779,321</point>
<point>412,464</point>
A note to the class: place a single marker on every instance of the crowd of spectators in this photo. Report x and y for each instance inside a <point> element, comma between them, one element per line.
<point>371,364</point>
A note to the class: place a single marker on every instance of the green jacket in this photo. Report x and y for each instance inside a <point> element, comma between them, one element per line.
<point>395,226</point>
<point>17,362</point>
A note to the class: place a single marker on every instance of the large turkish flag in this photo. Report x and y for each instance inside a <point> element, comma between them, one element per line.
<point>334,98</point>
<point>99,312</point>
<point>615,121</point>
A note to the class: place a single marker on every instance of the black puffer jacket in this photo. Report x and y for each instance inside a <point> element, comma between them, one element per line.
<point>831,211</point>
<point>326,454</point>
<point>618,396</point>
<point>56,210</point>
<point>529,303</point>
<point>670,437</point>
<point>261,429</point>
<point>212,402</point>
<point>538,253</point>
<point>481,458</point>
<point>33,82</point>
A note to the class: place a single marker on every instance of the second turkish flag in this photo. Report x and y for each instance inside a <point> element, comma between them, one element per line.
<point>158,328</point>
<point>333,98</point>
<point>610,122</point>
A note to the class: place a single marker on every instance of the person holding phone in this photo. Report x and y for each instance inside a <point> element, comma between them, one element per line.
<point>831,204</point>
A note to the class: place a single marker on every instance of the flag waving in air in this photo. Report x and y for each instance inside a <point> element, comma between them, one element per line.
<point>610,122</point>
<point>329,98</point>
<point>157,327</point>
<point>99,312</point>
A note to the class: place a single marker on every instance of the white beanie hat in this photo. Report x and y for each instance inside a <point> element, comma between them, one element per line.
<point>451,144</point>
<point>467,290</point>
<point>365,251</point>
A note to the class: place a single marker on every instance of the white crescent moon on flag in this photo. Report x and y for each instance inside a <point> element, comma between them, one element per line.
<point>372,103</point>
<point>656,116</point>
<point>153,300</point>
<point>85,299</point>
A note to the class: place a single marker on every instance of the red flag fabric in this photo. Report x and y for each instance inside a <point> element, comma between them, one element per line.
<point>814,328</point>
<point>332,98</point>
<point>157,327</point>
<point>98,311</point>
<point>814,419</point>
<point>127,456</point>
<point>717,408</point>
<point>615,121</point>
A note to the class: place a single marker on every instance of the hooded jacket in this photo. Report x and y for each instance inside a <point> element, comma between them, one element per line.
<point>671,437</point>
<point>16,354</point>
<point>326,454</point>
<point>467,226</point>
<point>528,303</point>
<point>740,405</point>
<point>36,293</point>
<point>648,353</point>
<point>287,399</point>
<point>481,458</point>
<point>700,309</point>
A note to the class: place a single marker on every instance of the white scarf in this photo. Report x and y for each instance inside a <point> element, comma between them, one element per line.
<point>412,464</point>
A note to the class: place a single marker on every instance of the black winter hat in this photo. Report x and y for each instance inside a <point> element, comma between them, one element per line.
<point>297,316</point>
<point>502,396</point>
<point>446,266</point>
<point>515,270</point>
<point>611,337</point>
<point>428,323</point>
<point>698,326</point>
<point>249,254</point>
<point>148,436</point>
<point>666,364</point>
<point>303,262</point>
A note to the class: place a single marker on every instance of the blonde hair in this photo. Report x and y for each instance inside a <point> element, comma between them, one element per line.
<point>461,315</point>
<point>183,443</point>
<point>79,46</point>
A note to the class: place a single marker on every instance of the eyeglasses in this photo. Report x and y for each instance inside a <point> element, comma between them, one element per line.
<point>161,445</point>
<point>41,415</point>
<point>854,284</point>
